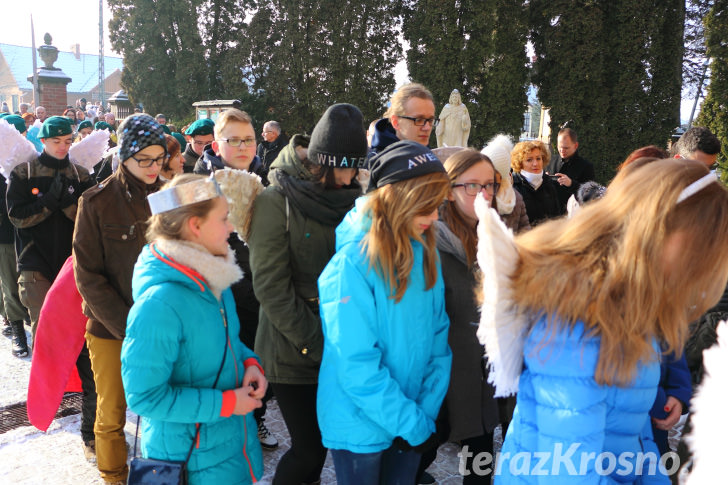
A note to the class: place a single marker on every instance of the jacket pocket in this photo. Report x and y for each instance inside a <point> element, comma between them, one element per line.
<point>119,232</point>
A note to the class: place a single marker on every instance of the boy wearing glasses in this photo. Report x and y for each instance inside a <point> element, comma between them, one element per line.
<point>110,234</point>
<point>199,135</point>
<point>234,147</point>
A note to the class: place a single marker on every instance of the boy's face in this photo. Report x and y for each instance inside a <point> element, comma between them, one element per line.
<point>240,156</point>
<point>58,146</point>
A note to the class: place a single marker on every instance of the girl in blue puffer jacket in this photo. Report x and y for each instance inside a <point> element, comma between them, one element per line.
<point>386,361</point>
<point>602,292</point>
<point>185,371</point>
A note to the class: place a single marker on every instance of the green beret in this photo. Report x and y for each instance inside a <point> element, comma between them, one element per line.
<point>201,127</point>
<point>166,129</point>
<point>55,126</point>
<point>181,139</point>
<point>84,124</point>
<point>16,121</point>
<point>102,125</point>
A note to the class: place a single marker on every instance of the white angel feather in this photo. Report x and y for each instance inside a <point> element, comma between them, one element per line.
<point>707,439</point>
<point>14,148</point>
<point>89,151</point>
<point>240,188</point>
<point>502,326</point>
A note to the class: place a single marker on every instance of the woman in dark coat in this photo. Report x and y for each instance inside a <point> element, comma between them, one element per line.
<point>539,191</point>
<point>471,411</point>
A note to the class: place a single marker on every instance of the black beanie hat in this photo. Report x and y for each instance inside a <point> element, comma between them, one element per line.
<point>338,139</point>
<point>401,161</point>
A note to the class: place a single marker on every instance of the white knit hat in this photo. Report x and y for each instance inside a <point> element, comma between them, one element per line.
<point>499,150</point>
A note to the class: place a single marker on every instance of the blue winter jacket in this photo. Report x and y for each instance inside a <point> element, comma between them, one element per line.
<point>172,351</point>
<point>564,420</point>
<point>386,366</point>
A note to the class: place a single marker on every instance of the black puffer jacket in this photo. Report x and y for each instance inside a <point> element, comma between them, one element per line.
<point>542,203</point>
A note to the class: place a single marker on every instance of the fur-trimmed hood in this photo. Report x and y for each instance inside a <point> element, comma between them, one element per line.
<point>171,260</point>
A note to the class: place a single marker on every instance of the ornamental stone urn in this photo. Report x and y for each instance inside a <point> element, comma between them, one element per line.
<point>48,53</point>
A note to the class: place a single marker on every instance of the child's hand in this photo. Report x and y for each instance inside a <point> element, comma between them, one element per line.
<point>255,379</point>
<point>244,401</point>
<point>674,409</point>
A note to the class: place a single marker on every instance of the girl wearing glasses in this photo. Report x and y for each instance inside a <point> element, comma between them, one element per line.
<point>470,409</point>
<point>109,235</point>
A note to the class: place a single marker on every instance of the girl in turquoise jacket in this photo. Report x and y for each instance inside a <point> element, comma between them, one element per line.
<point>386,361</point>
<point>182,319</point>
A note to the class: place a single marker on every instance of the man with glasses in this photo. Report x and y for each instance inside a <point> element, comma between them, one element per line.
<point>411,116</point>
<point>272,144</point>
<point>199,135</point>
<point>234,147</point>
<point>110,234</point>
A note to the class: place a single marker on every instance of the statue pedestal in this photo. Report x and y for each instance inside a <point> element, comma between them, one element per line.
<point>52,85</point>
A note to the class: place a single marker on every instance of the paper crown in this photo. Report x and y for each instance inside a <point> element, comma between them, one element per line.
<point>184,194</point>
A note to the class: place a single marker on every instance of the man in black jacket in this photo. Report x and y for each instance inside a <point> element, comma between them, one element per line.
<point>272,144</point>
<point>573,170</point>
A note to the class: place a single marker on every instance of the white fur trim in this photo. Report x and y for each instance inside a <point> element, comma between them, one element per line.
<point>502,327</point>
<point>219,272</point>
<point>707,439</point>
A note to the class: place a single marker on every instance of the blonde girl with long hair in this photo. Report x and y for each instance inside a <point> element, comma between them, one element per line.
<point>386,361</point>
<point>601,292</point>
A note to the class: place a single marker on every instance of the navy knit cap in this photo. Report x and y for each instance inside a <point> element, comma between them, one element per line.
<point>137,133</point>
<point>338,139</point>
<point>401,161</point>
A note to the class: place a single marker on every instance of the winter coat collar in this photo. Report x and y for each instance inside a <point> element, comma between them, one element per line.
<point>211,162</point>
<point>135,187</point>
<point>216,271</point>
<point>448,242</point>
<point>53,162</point>
<point>384,135</point>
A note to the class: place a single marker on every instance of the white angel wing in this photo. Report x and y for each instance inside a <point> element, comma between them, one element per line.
<point>240,188</point>
<point>14,148</point>
<point>708,409</point>
<point>502,327</point>
<point>89,151</point>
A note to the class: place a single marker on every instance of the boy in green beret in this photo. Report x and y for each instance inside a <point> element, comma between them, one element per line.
<point>199,135</point>
<point>42,201</point>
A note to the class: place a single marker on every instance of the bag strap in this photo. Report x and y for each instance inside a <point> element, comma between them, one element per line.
<point>217,377</point>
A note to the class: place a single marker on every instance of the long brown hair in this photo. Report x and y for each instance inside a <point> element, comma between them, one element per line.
<point>606,266</point>
<point>457,164</point>
<point>392,209</point>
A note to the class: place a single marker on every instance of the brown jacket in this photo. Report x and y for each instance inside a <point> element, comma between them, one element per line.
<point>110,233</point>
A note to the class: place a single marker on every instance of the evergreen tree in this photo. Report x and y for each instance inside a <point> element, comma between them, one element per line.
<point>714,111</point>
<point>478,48</point>
<point>305,56</point>
<point>612,69</point>
<point>164,58</point>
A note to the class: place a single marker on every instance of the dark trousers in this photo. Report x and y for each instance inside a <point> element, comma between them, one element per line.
<point>388,467</point>
<point>482,474</point>
<point>303,462</point>
<point>88,403</point>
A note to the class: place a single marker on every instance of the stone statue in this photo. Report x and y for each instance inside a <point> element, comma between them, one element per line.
<point>453,128</point>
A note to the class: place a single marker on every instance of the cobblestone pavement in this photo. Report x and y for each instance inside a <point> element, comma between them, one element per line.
<point>444,469</point>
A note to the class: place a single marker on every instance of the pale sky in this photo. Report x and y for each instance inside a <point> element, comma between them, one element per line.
<point>77,22</point>
<point>68,21</point>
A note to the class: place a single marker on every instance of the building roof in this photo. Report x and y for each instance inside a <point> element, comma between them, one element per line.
<point>82,71</point>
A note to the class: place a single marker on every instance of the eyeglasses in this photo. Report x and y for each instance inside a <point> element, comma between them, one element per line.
<point>148,162</point>
<point>474,189</point>
<point>420,121</point>
<point>236,142</point>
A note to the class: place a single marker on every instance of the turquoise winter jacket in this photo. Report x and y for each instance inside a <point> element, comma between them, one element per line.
<point>564,420</point>
<point>386,365</point>
<point>170,357</point>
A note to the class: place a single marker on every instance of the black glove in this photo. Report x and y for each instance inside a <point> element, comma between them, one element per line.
<point>401,444</point>
<point>67,198</point>
<point>52,197</point>
<point>432,442</point>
